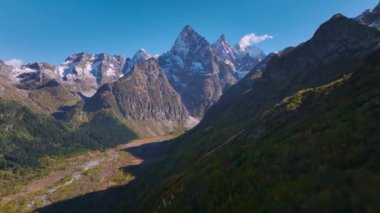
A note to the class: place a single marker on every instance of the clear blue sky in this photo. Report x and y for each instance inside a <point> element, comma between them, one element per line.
<point>50,30</point>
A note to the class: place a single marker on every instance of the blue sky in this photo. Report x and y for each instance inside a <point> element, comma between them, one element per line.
<point>47,30</point>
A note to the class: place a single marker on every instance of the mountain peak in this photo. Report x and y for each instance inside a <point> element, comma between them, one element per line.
<point>222,39</point>
<point>370,17</point>
<point>188,31</point>
<point>338,16</point>
<point>222,42</point>
<point>333,25</point>
<point>187,40</point>
<point>76,57</point>
<point>140,56</point>
<point>377,6</point>
<point>223,49</point>
<point>188,28</point>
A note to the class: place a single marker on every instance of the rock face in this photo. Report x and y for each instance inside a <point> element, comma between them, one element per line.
<point>371,17</point>
<point>140,57</point>
<point>87,71</point>
<point>193,71</point>
<point>82,73</point>
<point>37,86</point>
<point>240,60</point>
<point>199,71</point>
<point>142,94</point>
<point>36,75</point>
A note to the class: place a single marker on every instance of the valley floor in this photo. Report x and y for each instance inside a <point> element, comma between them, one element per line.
<point>90,172</point>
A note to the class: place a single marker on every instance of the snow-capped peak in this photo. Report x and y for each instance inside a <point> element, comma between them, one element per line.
<point>370,17</point>
<point>141,56</point>
<point>13,62</point>
<point>78,57</point>
<point>91,70</point>
<point>222,43</point>
<point>222,39</point>
<point>251,50</point>
<point>223,50</point>
<point>188,40</point>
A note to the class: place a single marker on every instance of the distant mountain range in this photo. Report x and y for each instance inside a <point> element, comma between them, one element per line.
<point>192,76</point>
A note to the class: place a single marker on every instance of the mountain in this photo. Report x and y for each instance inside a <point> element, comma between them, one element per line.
<point>35,86</point>
<point>313,154</point>
<point>299,133</point>
<point>199,71</point>
<point>192,70</point>
<point>241,60</point>
<point>8,91</point>
<point>302,136</point>
<point>371,17</point>
<point>143,95</point>
<point>224,51</point>
<point>51,87</point>
<point>87,72</point>
<point>82,72</point>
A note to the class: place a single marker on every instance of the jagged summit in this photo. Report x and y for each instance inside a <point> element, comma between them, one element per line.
<point>223,50</point>
<point>188,27</point>
<point>188,40</point>
<point>198,71</point>
<point>40,66</point>
<point>77,56</point>
<point>222,39</point>
<point>140,56</point>
<point>222,42</point>
<point>90,71</point>
<point>371,17</point>
<point>201,71</point>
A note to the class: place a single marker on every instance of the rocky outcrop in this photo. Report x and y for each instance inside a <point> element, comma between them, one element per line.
<point>142,94</point>
<point>371,17</point>
<point>199,71</point>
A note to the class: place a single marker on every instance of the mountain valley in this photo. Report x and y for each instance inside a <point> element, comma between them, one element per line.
<point>203,127</point>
